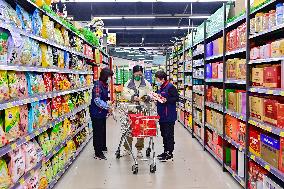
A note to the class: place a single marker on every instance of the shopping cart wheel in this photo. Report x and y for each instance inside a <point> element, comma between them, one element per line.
<point>135,169</point>
<point>117,155</point>
<point>153,168</point>
<point>148,152</point>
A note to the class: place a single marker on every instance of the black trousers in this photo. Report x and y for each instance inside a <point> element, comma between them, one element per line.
<point>99,135</point>
<point>167,132</point>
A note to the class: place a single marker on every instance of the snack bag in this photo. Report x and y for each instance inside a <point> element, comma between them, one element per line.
<point>8,14</point>
<point>59,105</point>
<point>55,56</point>
<point>89,80</point>
<point>3,139</point>
<point>17,164</point>
<point>65,106</point>
<point>41,86</point>
<point>58,36</point>
<point>82,80</point>
<point>15,44</point>
<point>49,171</point>
<point>56,81</point>
<point>70,103</point>
<point>12,120</point>
<point>4,87</point>
<point>33,85</point>
<point>65,35</point>
<point>13,82</point>
<point>65,83</point>
<point>36,22</point>
<point>43,115</point>
<point>26,52</point>
<point>23,85</point>
<point>3,47</point>
<point>43,182</point>
<point>36,54</point>
<point>24,18</point>
<point>48,107</point>
<point>45,27</point>
<point>34,115</point>
<point>61,59</point>
<point>5,180</point>
<point>66,128</point>
<point>55,134</point>
<point>55,167</point>
<point>54,108</point>
<point>33,181</point>
<point>47,77</point>
<point>66,59</point>
<point>23,125</point>
<point>44,142</point>
<point>46,56</point>
<point>31,157</point>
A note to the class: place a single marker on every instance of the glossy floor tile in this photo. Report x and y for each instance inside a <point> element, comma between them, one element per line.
<point>192,168</point>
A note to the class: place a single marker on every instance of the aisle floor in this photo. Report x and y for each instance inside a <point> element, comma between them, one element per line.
<point>192,168</point>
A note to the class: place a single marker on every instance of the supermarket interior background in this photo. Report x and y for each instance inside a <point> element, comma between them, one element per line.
<point>226,59</point>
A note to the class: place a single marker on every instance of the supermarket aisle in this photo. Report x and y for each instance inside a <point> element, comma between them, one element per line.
<point>192,168</point>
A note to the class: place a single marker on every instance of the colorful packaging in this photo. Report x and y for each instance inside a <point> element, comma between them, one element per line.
<point>4,87</point>
<point>33,84</point>
<point>56,81</point>
<point>3,139</point>
<point>17,164</point>
<point>257,77</point>
<point>12,119</point>
<point>256,107</point>
<point>13,82</point>
<point>36,54</point>
<point>254,142</point>
<point>272,77</point>
<point>41,86</point>
<point>34,115</point>
<point>33,181</point>
<point>31,157</point>
<point>24,18</point>
<point>256,174</point>
<point>270,111</point>
<point>45,143</point>
<point>3,47</point>
<point>36,22</point>
<point>4,176</point>
<point>47,77</point>
<point>23,125</point>
<point>46,56</point>
<point>43,113</point>
<point>270,148</point>
<point>208,71</point>
<point>280,116</point>
<point>23,85</point>
<point>269,183</point>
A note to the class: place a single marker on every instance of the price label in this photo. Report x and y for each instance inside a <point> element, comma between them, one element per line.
<point>267,167</point>
<point>37,133</point>
<point>252,157</point>
<point>252,122</point>
<point>269,92</point>
<point>241,117</point>
<point>252,90</point>
<point>282,93</point>
<point>9,105</point>
<point>13,146</point>
<point>269,129</point>
<point>22,181</point>
<point>282,133</point>
<point>241,148</point>
<point>28,138</point>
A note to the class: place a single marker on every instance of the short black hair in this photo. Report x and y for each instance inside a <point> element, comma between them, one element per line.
<point>161,75</point>
<point>105,73</point>
<point>137,68</point>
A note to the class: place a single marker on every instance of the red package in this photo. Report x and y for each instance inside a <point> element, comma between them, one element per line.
<point>234,159</point>
<point>59,105</point>
<point>254,142</point>
<point>242,134</point>
<point>47,77</point>
<point>270,111</point>
<point>55,107</point>
<point>280,116</point>
<point>215,70</point>
<point>256,173</point>
<point>209,94</point>
<point>281,155</point>
<point>56,81</point>
<point>241,36</point>
<point>219,151</point>
<point>232,127</point>
<point>48,107</point>
<point>272,77</point>
<point>233,40</point>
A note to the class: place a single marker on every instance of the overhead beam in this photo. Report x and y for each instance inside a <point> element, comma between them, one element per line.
<point>143,1</point>
<point>149,27</point>
<point>152,16</point>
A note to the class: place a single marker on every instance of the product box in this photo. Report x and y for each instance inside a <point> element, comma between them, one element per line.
<point>219,151</point>
<point>208,116</point>
<point>209,94</point>
<point>257,77</point>
<point>281,155</point>
<point>215,70</point>
<point>267,50</point>
<point>227,91</point>
<point>234,159</point>
<point>254,142</point>
<point>241,69</point>
<point>220,96</point>
<point>231,69</point>
<point>256,107</point>
<point>215,93</point>
<point>242,103</point>
<point>228,156</point>
<point>241,164</point>
<point>269,184</point>
<point>231,127</point>
<point>270,148</point>
<point>209,71</point>
<point>254,53</point>
<point>280,116</point>
<point>220,71</point>
<point>282,74</point>
<point>232,101</point>
<point>241,35</point>
<point>275,48</point>
<point>209,49</point>
<point>241,134</point>
<point>216,47</point>
<point>272,77</point>
<point>256,174</point>
<point>220,45</point>
<point>270,111</point>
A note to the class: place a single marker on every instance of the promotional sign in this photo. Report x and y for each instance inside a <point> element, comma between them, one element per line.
<point>111,39</point>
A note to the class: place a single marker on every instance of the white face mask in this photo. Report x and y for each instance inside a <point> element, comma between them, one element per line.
<point>108,81</point>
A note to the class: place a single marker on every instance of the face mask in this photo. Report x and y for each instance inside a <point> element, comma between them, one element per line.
<point>137,78</point>
<point>158,83</point>
<point>108,81</point>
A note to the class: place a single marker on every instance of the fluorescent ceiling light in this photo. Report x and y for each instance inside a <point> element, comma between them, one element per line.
<point>139,17</point>
<point>139,55</point>
<point>123,17</point>
<point>141,58</point>
<point>150,28</point>
<point>126,1</point>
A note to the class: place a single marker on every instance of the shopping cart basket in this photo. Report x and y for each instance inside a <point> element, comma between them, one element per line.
<point>138,125</point>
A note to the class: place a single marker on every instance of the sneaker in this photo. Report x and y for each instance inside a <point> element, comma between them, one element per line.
<point>105,149</point>
<point>167,157</point>
<point>100,157</point>
<point>139,154</point>
<point>161,155</point>
<point>125,153</point>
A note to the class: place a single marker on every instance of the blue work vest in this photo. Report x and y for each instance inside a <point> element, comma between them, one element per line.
<point>100,90</point>
<point>167,111</point>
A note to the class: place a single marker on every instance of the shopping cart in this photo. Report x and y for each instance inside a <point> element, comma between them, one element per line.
<point>142,124</point>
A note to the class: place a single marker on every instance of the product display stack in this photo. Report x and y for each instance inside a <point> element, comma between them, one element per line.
<point>238,89</point>
<point>45,90</point>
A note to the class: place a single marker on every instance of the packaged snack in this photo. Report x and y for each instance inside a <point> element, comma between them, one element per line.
<point>58,36</point>
<point>66,59</point>
<point>41,86</point>
<point>61,59</point>
<point>55,56</point>
<point>12,119</point>
<point>54,108</point>
<point>33,181</point>
<point>23,125</point>
<point>56,81</point>
<point>23,85</point>
<point>65,106</point>
<point>4,87</point>
<point>44,142</point>
<point>34,115</point>
<point>17,164</point>
<point>3,47</point>
<point>36,54</point>
<point>24,18</point>
<point>59,105</point>
<point>13,82</point>
<point>4,176</point>
<point>49,103</point>
<point>66,128</point>
<point>43,182</point>
<point>36,22</point>
<point>54,135</point>
<point>8,14</point>
<point>65,37</point>
<point>26,52</point>
<point>47,77</point>
<point>15,44</point>
<point>33,85</point>
<point>65,83</point>
<point>31,157</point>
<point>70,103</point>
<point>3,139</point>
<point>49,171</point>
<point>43,115</point>
<point>55,167</point>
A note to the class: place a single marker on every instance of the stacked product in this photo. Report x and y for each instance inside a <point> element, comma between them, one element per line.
<point>214,48</point>
<point>236,69</point>
<point>214,70</point>
<point>236,39</point>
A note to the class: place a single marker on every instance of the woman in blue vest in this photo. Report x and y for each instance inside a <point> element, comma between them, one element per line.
<point>168,114</point>
<point>99,110</point>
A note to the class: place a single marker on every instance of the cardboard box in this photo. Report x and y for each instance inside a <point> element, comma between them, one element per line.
<point>220,70</point>
<point>280,116</point>
<point>257,77</point>
<point>269,184</point>
<point>231,127</point>
<point>219,150</point>
<point>209,94</point>
<point>209,71</point>
<point>231,69</point>
<point>254,53</point>
<point>254,142</point>
<point>232,101</point>
<point>241,69</point>
<point>228,156</point>
<point>270,148</point>
<point>282,74</point>
<point>256,107</point>
<point>281,155</point>
<point>272,77</point>
<point>208,116</point>
<point>270,111</point>
<point>275,48</point>
<point>240,6</point>
<point>220,45</point>
<point>215,70</point>
<point>220,96</point>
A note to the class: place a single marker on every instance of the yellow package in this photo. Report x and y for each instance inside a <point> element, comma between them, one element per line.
<point>46,57</point>
<point>60,59</point>
<point>48,2</point>
<point>5,180</point>
<point>66,128</point>
<point>39,3</point>
<point>45,24</point>
<point>12,119</point>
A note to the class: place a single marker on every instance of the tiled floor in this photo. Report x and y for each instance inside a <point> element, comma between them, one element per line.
<point>192,168</point>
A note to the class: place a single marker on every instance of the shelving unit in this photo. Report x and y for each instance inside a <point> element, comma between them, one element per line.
<point>235,83</point>
<point>75,108</point>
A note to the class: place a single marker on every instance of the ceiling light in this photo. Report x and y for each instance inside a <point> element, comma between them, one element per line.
<point>141,58</point>
<point>135,1</point>
<point>139,17</point>
<point>150,28</point>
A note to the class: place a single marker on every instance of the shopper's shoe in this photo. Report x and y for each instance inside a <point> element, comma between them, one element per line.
<point>139,154</point>
<point>105,149</point>
<point>100,157</point>
<point>167,157</point>
<point>161,155</point>
<point>125,153</point>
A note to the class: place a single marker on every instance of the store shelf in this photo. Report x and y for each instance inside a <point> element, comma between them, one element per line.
<point>235,81</point>
<point>60,173</point>
<point>267,127</point>
<point>236,115</point>
<point>271,2</point>
<point>198,78</point>
<point>188,129</point>
<point>235,52</point>
<point>181,122</point>
<point>267,166</point>
<point>235,176</point>
<point>213,154</point>
<point>4,150</point>
<point>198,92</point>
<point>216,57</point>
<point>198,66</point>
<point>42,69</point>
<point>213,129</point>
<point>236,22</point>
<point>198,138</point>
<point>215,106</point>
<point>268,91</point>
<point>198,55</point>
<point>214,35</point>
<point>268,32</point>
<point>231,141</point>
<point>198,123</point>
<point>42,40</point>
<point>39,97</point>
<point>197,106</point>
<point>214,80</point>
<point>266,60</point>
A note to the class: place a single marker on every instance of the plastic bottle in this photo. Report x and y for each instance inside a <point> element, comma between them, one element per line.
<point>279,13</point>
